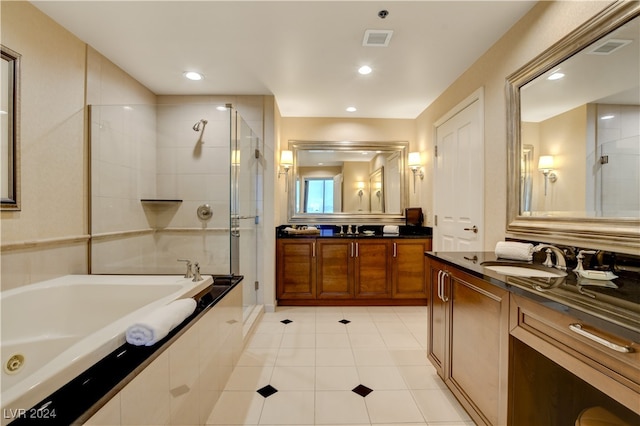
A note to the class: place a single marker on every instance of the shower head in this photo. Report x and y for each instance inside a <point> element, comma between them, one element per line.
<point>196,127</point>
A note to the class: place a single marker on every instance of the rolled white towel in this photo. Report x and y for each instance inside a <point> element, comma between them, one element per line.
<point>391,229</point>
<point>155,326</point>
<point>514,250</point>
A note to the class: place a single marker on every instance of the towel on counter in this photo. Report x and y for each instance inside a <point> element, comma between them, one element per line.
<point>514,251</point>
<point>155,326</point>
<point>391,229</point>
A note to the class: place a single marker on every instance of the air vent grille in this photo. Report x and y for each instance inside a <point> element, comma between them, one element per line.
<point>377,38</point>
<point>608,47</point>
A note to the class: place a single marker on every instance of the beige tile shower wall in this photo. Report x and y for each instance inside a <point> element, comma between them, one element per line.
<point>182,385</point>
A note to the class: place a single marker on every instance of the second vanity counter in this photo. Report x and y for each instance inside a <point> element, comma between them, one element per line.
<point>514,349</point>
<point>616,310</point>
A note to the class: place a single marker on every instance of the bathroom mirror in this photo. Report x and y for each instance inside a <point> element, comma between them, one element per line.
<point>588,120</point>
<point>10,125</point>
<point>347,182</point>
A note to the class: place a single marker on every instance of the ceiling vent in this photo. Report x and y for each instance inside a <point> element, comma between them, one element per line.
<point>377,38</point>
<point>608,47</point>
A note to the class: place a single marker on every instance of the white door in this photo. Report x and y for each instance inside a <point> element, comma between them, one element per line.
<point>459,179</point>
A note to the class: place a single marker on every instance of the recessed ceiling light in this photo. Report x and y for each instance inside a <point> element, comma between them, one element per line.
<point>555,76</point>
<point>365,69</point>
<point>607,117</point>
<point>351,109</point>
<point>192,75</point>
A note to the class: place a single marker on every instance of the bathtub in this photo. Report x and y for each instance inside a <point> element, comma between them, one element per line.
<point>54,330</point>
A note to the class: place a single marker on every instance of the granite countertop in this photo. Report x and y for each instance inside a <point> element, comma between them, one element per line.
<point>364,231</point>
<point>616,310</point>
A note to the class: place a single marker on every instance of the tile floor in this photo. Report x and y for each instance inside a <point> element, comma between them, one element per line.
<point>315,362</point>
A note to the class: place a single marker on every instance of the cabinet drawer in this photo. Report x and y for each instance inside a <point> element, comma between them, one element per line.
<point>580,348</point>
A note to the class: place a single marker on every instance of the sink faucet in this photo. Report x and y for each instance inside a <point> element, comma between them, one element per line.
<point>196,275</point>
<point>188,274</point>
<point>561,262</point>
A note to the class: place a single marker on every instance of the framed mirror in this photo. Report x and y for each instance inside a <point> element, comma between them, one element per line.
<point>347,182</point>
<point>10,125</point>
<point>576,108</point>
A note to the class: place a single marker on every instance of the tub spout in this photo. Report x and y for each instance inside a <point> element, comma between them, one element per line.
<point>187,274</point>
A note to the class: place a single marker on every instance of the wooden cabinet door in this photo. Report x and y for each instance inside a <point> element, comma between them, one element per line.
<point>296,268</point>
<point>372,270</point>
<point>437,319</point>
<point>479,347</point>
<point>409,268</point>
<point>335,269</point>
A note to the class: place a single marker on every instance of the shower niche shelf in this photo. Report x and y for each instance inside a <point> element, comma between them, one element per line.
<point>159,201</point>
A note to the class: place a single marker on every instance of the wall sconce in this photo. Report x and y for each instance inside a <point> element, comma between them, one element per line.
<point>545,165</point>
<point>360,190</point>
<point>235,157</point>
<point>414,165</point>
<point>378,189</point>
<point>286,162</point>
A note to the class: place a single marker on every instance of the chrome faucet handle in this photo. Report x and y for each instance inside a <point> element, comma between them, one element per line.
<point>187,274</point>
<point>196,276</point>
<point>561,263</point>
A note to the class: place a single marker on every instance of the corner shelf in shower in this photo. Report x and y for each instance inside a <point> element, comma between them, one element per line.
<point>159,202</point>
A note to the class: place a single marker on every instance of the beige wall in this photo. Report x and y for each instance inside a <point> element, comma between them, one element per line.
<point>543,26</point>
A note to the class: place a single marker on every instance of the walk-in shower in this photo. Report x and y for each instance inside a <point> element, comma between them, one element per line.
<point>149,178</point>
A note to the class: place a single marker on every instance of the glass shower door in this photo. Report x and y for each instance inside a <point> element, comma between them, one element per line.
<point>245,211</point>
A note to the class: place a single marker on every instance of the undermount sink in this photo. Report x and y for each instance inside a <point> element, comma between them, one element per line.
<point>524,270</point>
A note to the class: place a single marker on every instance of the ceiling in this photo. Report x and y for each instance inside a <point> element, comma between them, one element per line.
<point>305,53</point>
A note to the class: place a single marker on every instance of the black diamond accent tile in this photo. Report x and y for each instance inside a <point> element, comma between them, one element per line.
<point>286,321</point>
<point>267,391</point>
<point>362,390</point>
<point>344,321</point>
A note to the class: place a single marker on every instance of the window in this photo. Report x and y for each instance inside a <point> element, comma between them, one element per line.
<point>318,195</point>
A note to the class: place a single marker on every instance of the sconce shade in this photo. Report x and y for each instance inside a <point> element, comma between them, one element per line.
<point>360,185</point>
<point>414,159</point>
<point>286,158</point>
<point>545,162</point>
<point>235,157</point>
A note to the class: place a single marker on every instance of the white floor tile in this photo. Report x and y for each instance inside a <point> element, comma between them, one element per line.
<point>332,340</point>
<point>392,407</point>
<point>288,408</point>
<point>336,378</point>
<point>296,357</point>
<point>290,378</point>
<point>439,406</point>
<point>334,357</point>
<point>340,407</point>
<point>315,361</point>
<point>381,378</point>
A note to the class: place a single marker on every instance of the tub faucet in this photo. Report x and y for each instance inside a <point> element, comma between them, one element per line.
<point>187,274</point>
<point>196,275</point>
<point>561,262</point>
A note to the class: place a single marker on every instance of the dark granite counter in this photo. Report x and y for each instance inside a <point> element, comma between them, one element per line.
<point>364,231</point>
<point>616,310</point>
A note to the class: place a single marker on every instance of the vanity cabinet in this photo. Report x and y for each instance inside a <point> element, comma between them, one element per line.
<point>296,268</point>
<point>468,344</point>
<point>356,271</point>
<point>556,354</point>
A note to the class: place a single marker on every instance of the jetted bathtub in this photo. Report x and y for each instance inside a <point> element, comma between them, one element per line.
<point>54,330</point>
